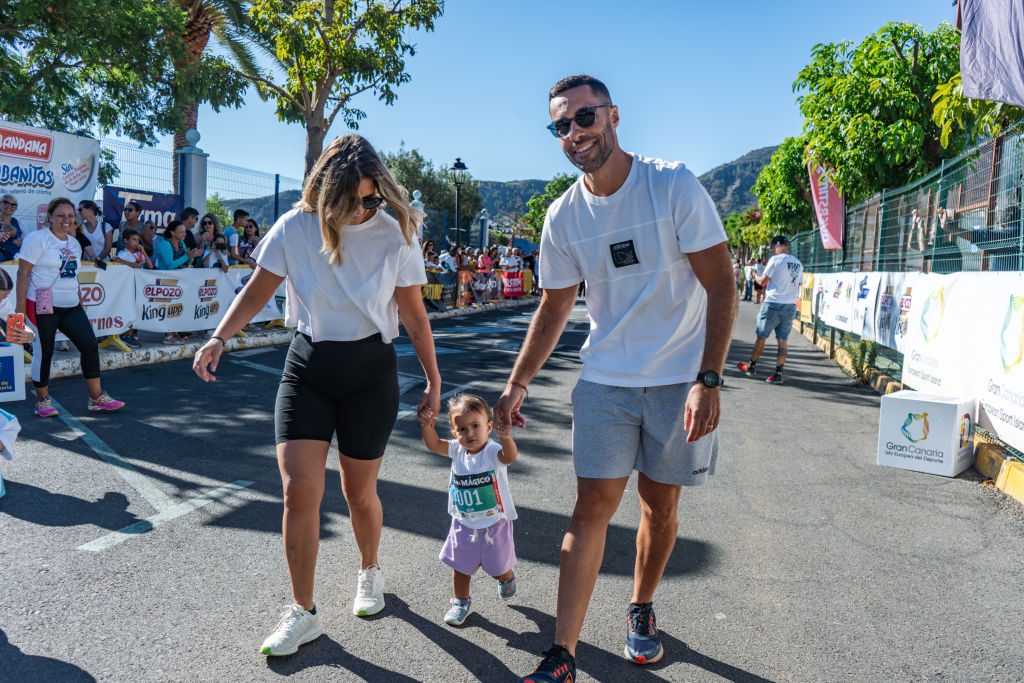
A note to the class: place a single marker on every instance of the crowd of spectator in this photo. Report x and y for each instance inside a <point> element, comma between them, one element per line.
<point>489,266</point>
<point>191,242</point>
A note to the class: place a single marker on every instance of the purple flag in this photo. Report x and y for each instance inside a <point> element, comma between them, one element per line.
<point>992,50</point>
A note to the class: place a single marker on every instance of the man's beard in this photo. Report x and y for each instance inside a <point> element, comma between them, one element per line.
<point>604,144</point>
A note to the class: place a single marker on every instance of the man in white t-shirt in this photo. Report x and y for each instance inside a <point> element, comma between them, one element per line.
<point>646,238</point>
<point>781,281</point>
<point>508,262</point>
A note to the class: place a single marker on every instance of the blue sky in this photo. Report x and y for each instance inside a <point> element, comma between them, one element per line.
<point>699,82</point>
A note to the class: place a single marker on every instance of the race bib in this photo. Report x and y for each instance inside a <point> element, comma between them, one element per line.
<point>476,495</point>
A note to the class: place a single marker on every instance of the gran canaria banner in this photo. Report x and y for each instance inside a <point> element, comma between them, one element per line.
<point>961,335</point>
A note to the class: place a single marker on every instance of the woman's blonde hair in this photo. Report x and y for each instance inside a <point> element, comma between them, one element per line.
<point>332,191</point>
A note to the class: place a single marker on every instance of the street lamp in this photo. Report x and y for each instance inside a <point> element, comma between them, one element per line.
<point>458,174</point>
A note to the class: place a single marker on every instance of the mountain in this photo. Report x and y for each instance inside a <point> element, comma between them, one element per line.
<point>511,197</point>
<point>729,184</point>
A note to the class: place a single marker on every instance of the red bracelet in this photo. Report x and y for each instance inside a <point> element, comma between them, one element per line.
<point>521,386</point>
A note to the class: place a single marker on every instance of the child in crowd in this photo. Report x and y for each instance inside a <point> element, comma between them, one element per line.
<point>135,256</point>
<point>216,255</point>
<point>478,500</point>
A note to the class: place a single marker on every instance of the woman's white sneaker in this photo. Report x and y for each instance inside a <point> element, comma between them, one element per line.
<point>297,627</point>
<point>369,593</point>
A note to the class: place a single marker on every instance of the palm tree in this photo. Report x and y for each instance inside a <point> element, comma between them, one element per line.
<point>228,22</point>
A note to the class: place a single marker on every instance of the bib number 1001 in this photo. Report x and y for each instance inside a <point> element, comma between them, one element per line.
<point>467,498</point>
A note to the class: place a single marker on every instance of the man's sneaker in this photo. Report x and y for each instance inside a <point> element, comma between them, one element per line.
<point>747,369</point>
<point>104,402</point>
<point>643,644</point>
<point>44,408</point>
<point>370,592</point>
<point>774,379</point>
<point>558,666</point>
<point>131,341</point>
<point>297,627</point>
<point>507,589</point>
<point>458,612</point>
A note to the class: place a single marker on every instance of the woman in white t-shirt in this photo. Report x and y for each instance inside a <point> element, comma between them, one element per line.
<point>48,296</point>
<point>351,270</point>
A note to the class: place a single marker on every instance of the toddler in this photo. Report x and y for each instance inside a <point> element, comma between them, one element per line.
<point>478,500</point>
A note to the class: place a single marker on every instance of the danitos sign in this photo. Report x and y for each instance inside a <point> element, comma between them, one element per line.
<point>18,143</point>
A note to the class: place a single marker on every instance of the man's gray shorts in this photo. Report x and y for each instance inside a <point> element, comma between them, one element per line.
<point>616,430</point>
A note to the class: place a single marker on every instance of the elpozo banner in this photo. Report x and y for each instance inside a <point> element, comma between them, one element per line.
<point>108,297</point>
<point>37,165</point>
<point>184,300</point>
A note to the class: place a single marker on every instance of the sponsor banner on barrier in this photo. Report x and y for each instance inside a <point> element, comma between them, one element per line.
<point>806,303</point>
<point>108,297</point>
<point>37,165</point>
<point>936,337</point>
<point>829,291</point>
<point>238,276</point>
<point>865,296</point>
<point>184,300</point>
<point>887,308</point>
<point>995,358</point>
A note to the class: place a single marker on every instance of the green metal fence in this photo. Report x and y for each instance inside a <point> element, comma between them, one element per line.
<point>964,216</point>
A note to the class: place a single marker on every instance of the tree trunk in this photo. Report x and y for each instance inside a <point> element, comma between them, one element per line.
<point>316,131</point>
<point>190,119</point>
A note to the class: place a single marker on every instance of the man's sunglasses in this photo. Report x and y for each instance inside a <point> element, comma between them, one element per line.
<point>7,203</point>
<point>371,202</point>
<point>584,118</point>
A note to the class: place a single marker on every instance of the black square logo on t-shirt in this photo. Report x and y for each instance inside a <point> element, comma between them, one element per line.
<point>623,254</point>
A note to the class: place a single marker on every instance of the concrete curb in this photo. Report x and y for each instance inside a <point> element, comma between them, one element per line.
<point>68,364</point>
<point>991,460</point>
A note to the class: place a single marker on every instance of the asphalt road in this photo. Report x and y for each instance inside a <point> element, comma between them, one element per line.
<point>149,549</point>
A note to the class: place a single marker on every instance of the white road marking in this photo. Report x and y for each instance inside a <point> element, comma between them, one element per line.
<point>165,515</point>
<point>166,509</point>
<point>407,410</point>
<point>138,481</point>
<point>256,366</point>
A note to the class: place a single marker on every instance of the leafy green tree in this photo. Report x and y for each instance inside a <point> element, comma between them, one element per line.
<point>495,237</point>
<point>333,50</point>
<point>783,188</point>
<point>964,122</point>
<point>216,205</point>
<point>413,172</point>
<point>868,107</point>
<point>70,65</point>
<point>537,207</point>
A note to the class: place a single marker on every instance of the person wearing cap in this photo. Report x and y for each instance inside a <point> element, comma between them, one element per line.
<point>781,281</point>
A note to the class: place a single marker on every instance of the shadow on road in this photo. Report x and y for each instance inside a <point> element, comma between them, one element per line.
<point>327,653</point>
<point>538,532</point>
<point>18,666</point>
<point>602,665</point>
<point>39,506</point>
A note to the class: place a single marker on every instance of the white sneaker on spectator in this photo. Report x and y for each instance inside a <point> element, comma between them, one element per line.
<point>297,627</point>
<point>369,593</point>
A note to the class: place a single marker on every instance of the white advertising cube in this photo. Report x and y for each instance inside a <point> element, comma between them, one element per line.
<point>926,433</point>
<point>12,372</point>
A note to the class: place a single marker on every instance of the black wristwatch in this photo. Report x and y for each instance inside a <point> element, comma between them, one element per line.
<point>710,379</point>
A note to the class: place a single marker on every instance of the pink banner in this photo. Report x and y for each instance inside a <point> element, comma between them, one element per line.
<point>828,205</point>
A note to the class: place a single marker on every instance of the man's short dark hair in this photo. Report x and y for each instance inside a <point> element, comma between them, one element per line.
<point>240,213</point>
<point>570,82</point>
<point>780,241</point>
<point>188,213</point>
